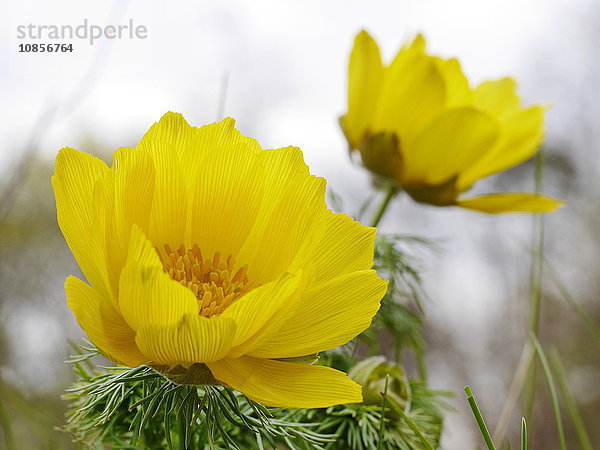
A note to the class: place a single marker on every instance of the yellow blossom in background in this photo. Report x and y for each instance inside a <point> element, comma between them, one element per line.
<point>419,123</point>
<point>216,262</point>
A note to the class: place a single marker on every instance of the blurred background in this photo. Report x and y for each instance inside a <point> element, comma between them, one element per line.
<point>279,68</point>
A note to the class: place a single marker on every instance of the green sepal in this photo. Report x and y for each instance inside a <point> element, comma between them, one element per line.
<point>195,375</point>
<point>306,359</point>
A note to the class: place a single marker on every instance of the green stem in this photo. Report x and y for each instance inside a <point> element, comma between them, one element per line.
<point>535,287</point>
<point>413,426</point>
<point>421,365</point>
<point>390,191</point>
<point>479,418</point>
<point>561,380</point>
<point>382,422</point>
<point>552,389</point>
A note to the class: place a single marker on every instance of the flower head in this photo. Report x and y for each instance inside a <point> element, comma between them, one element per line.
<point>418,123</point>
<point>213,260</point>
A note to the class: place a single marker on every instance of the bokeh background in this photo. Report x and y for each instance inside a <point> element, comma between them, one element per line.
<point>279,68</point>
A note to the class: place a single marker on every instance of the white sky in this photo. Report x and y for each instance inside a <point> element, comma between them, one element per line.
<point>286,65</point>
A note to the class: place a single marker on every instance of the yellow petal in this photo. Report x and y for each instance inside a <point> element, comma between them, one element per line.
<point>419,44</point>
<point>194,339</point>
<point>498,97</point>
<point>102,323</point>
<point>133,178</point>
<point>148,295</point>
<point>521,136</point>
<point>280,167</point>
<point>457,86</point>
<point>280,164</point>
<point>413,92</point>
<point>172,129</point>
<point>287,385</point>
<point>193,145</point>
<point>220,169</point>
<point>227,194</point>
<point>511,202</point>
<point>75,177</point>
<point>340,245</point>
<point>326,316</point>
<point>253,311</point>
<point>168,219</point>
<point>452,141</point>
<point>104,200</point>
<point>292,204</point>
<point>365,74</point>
<point>205,141</point>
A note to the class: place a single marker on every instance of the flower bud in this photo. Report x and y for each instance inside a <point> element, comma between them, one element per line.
<point>371,374</point>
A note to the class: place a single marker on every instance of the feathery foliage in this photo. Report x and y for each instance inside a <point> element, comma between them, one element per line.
<point>138,408</point>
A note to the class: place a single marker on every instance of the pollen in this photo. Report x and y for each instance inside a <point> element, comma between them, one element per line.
<point>210,279</point>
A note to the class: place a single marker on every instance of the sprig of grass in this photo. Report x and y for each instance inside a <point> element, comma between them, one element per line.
<point>523,434</point>
<point>552,388</point>
<point>383,405</point>
<point>592,327</point>
<point>535,284</point>
<point>557,369</point>
<point>426,444</point>
<point>479,418</point>
<point>36,418</point>
<point>514,392</point>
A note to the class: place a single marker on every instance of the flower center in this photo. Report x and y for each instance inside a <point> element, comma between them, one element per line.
<point>210,279</point>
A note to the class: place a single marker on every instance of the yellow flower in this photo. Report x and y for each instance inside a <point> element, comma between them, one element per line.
<point>213,260</point>
<point>419,123</point>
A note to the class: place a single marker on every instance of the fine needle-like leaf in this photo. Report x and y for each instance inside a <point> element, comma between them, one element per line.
<point>382,420</point>
<point>411,424</point>
<point>514,393</point>
<point>552,388</point>
<point>535,284</point>
<point>479,418</point>
<point>523,434</point>
<point>182,434</point>
<point>590,324</point>
<point>561,380</point>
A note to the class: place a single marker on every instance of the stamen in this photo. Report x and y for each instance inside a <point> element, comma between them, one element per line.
<point>209,279</point>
